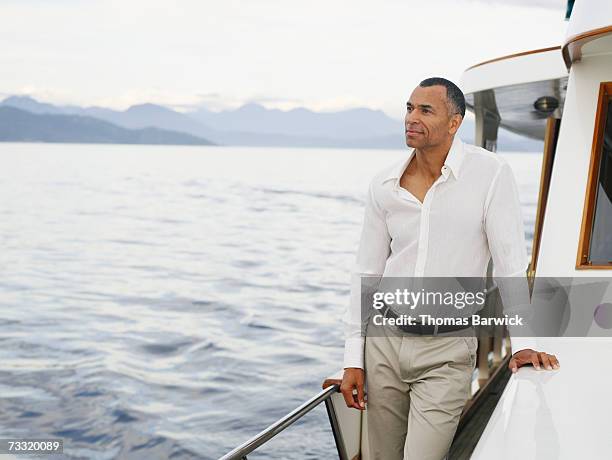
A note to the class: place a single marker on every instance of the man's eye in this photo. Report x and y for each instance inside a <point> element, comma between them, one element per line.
<point>426,110</point>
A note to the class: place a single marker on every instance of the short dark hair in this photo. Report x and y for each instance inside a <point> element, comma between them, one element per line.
<point>455,96</point>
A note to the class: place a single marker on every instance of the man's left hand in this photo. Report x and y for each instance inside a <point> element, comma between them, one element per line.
<point>536,358</point>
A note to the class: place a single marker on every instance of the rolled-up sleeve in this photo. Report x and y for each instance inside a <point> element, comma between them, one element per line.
<point>506,239</point>
<point>371,258</point>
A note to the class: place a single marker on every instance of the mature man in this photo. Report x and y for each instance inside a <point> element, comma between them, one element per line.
<point>445,211</point>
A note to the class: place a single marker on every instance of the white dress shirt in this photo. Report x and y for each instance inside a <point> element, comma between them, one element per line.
<point>470,214</point>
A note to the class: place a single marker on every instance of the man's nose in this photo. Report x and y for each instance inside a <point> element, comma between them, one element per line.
<point>411,118</point>
<point>411,122</point>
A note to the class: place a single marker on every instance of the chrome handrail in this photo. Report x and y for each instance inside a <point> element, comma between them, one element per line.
<point>240,452</point>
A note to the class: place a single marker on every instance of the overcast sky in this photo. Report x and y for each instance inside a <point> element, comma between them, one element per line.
<point>321,54</point>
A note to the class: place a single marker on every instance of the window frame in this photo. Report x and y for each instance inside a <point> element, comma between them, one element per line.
<point>548,159</point>
<point>588,213</point>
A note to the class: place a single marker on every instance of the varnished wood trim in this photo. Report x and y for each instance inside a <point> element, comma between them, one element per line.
<point>510,56</point>
<point>582,263</point>
<point>572,50</point>
<point>550,144</point>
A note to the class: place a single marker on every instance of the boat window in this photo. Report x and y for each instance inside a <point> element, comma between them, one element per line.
<point>595,248</point>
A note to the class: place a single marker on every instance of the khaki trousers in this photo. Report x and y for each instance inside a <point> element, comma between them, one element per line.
<point>416,389</point>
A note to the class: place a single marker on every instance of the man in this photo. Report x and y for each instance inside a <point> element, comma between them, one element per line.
<point>445,211</point>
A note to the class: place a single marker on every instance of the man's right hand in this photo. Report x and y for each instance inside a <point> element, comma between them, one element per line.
<point>353,379</point>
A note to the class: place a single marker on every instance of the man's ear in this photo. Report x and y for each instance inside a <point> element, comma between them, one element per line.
<point>454,123</point>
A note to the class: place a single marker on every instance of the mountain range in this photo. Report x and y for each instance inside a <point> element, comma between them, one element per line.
<point>17,125</point>
<point>249,125</point>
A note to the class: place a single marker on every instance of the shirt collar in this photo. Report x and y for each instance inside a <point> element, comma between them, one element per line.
<point>455,156</point>
<point>453,161</point>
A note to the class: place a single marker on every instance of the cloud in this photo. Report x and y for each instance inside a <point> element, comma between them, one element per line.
<point>319,54</point>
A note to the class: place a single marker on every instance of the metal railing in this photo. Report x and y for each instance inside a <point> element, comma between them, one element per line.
<point>241,452</point>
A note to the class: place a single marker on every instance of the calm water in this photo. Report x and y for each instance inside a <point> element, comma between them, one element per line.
<point>170,302</point>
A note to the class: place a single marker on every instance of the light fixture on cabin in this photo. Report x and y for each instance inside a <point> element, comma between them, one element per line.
<point>546,104</point>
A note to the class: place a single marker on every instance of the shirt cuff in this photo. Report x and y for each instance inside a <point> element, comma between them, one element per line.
<point>353,352</point>
<point>522,343</point>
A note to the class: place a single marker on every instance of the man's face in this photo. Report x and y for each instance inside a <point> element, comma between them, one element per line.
<point>429,121</point>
